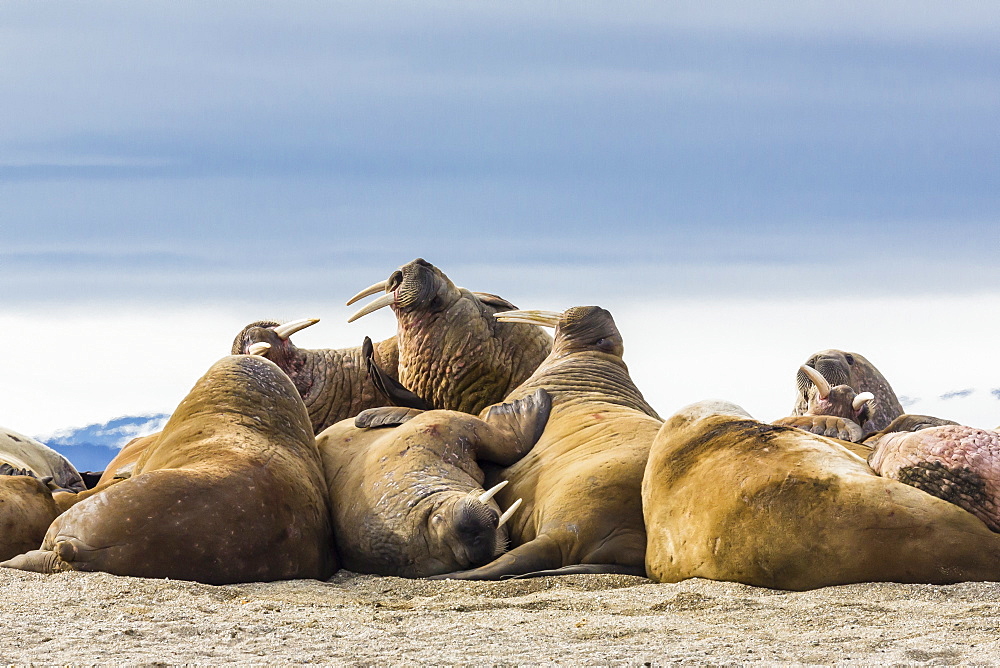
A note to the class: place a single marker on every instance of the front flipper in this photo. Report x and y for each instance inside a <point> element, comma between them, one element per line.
<point>388,386</point>
<point>824,425</point>
<point>385,416</point>
<point>585,569</point>
<point>908,422</point>
<point>7,469</point>
<point>540,554</point>
<point>514,428</point>
<point>38,561</point>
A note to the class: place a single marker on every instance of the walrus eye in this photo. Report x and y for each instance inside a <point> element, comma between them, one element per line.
<point>437,519</point>
<point>849,358</point>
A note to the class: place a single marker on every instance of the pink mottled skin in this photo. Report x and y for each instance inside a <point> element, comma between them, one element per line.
<point>957,463</point>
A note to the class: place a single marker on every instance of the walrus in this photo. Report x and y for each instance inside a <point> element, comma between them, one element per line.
<point>407,497</point>
<point>845,409</point>
<point>853,370</point>
<point>334,383</point>
<point>29,472</point>
<point>727,497</point>
<point>453,354</point>
<point>953,462</point>
<point>580,483</point>
<point>231,491</point>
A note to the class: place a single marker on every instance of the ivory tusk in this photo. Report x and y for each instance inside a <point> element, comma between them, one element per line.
<point>821,383</point>
<point>488,494</point>
<point>258,348</point>
<point>530,317</point>
<point>289,328</point>
<point>381,302</point>
<point>861,400</point>
<point>510,511</point>
<point>370,290</point>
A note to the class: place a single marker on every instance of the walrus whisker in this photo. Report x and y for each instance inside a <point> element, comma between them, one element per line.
<point>507,515</point>
<point>821,383</point>
<point>381,302</point>
<point>530,317</point>
<point>861,400</point>
<point>289,328</point>
<point>370,290</point>
<point>258,348</point>
<point>488,494</point>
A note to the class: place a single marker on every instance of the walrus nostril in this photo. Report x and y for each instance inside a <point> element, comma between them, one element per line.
<point>394,281</point>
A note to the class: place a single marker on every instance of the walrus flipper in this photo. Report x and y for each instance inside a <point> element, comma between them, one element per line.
<point>910,422</point>
<point>38,561</point>
<point>585,569</point>
<point>388,386</point>
<point>386,416</point>
<point>7,469</point>
<point>824,425</point>
<point>536,555</point>
<point>496,301</point>
<point>518,426</point>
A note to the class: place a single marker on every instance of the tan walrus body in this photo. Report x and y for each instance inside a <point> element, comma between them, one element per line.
<point>407,499</point>
<point>29,471</point>
<point>580,482</point>
<point>729,498</point>
<point>230,491</point>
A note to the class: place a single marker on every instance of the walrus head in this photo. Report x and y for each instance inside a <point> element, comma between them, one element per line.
<point>851,369</point>
<point>839,401</point>
<point>273,341</point>
<point>452,353</point>
<point>578,329</point>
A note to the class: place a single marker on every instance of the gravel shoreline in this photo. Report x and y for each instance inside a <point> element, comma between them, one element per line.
<point>88,618</point>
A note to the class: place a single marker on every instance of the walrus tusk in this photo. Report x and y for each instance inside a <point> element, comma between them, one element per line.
<point>861,400</point>
<point>370,290</point>
<point>530,317</point>
<point>506,515</point>
<point>258,348</point>
<point>488,494</point>
<point>821,383</point>
<point>289,328</point>
<point>381,302</point>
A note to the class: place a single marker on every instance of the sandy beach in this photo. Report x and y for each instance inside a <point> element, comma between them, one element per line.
<point>86,618</point>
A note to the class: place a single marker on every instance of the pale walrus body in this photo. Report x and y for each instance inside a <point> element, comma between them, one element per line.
<point>408,499</point>
<point>953,462</point>
<point>29,471</point>
<point>453,354</point>
<point>580,482</point>
<point>231,491</point>
<point>729,498</point>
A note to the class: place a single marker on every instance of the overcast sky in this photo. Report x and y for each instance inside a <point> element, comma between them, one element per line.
<point>239,158</point>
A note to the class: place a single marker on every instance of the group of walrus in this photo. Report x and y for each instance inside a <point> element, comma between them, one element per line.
<point>474,445</point>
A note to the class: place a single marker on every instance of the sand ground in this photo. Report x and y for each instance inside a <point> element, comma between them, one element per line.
<point>86,618</point>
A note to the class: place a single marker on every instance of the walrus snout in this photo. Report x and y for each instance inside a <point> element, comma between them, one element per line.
<point>475,532</point>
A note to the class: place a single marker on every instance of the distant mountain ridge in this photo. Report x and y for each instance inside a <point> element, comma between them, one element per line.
<point>92,447</point>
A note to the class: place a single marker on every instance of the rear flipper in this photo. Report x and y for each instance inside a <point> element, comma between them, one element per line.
<point>39,561</point>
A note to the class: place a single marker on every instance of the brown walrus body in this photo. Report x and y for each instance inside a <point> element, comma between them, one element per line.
<point>29,471</point>
<point>231,491</point>
<point>334,383</point>
<point>408,499</point>
<point>729,498</point>
<point>453,354</point>
<point>853,370</point>
<point>580,482</point>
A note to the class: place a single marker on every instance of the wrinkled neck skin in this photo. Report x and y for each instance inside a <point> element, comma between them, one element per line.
<point>459,357</point>
<point>334,383</point>
<point>571,377</point>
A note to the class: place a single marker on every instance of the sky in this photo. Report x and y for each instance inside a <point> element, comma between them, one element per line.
<point>741,184</point>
